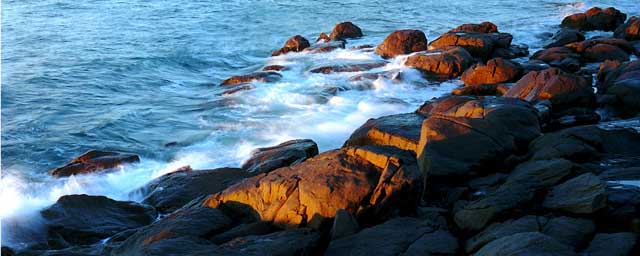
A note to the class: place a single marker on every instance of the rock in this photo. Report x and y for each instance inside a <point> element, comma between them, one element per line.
<point>622,83</point>
<point>623,209</point>
<point>94,161</point>
<point>513,52</point>
<point>570,231</point>
<point>545,172</point>
<point>629,31</point>
<point>6,251</point>
<point>527,223</point>
<point>85,250</point>
<point>479,45</point>
<point>323,37</point>
<point>465,135</point>
<point>495,71</point>
<point>275,68</point>
<point>583,46</point>
<point>296,43</point>
<point>484,27</point>
<point>441,64</point>
<point>528,243</point>
<point>565,36</point>
<point>237,89</point>
<point>355,67</point>
<point>572,117</point>
<point>344,225</point>
<point>584,194</point>
<point>261,76</point>
<point>488,181</point>
<point>345,30</point>
<point>595,19</point>
<point>282,243</point>
<point>533,65</point>
<point>245,229</point>
<point>482,90</point>
<point>401,42</point>
<point>408,236</point>
<point>173,190</point>
<point>288,153</point>
<point>612,244</point>
<point>83,219</point>
<point>323,47</point>
<point>560,57</point>
<point>564,90</point>
<point>602,52</point>
<point>183,232</point>
<point>363,181</point>
<point>401,131</point>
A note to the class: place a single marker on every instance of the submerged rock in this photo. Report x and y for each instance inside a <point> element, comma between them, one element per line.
<point>261,76</point>
<point>264,160</point>
<point>296,43</point>
<point>94,161</point>
<point>401,42</point>
<point>495,71</point>
<point>356,67</point>
<point>595,18</point>
<point>322,47</point>
<point>441,64</point>
<point>345,30</point>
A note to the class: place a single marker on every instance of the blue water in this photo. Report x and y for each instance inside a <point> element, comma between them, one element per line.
<point>136,75</point>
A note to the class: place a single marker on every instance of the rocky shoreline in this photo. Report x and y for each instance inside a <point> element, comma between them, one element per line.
<point>528,157</point>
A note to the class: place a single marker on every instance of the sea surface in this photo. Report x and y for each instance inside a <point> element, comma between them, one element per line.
<point>142,76</point>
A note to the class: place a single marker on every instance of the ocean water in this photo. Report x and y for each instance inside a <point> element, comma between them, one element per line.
<point>141,76</point>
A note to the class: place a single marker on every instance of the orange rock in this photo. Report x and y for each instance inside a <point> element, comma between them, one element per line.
<point>261,76</point>
<point>93,161</point>
<point>345,30</point>
<point>495,71</point>
<point>484,27</point>
<point>630,30</point>
<point>296,43</point>
<point>482,90</point>
<point>444,64</point>
<point>401,131</point>
<point>479,45</point>
<point>402,42</point>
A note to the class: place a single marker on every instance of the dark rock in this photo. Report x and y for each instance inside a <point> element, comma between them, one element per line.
<point>246,229</point>
<point>173,190</point>
<point>296,43</point>
<point>528,243</point>
<point>261,76</point>
<point>282,243</point>
<point>583,46</point>
<point>397,236</point>
<point>322,47</point>
<point>595,18</point>
<point>560,57</point>
<point>564,90</point>
<point>584,194</point>
<point>344,225</point>
<point>629,31</point>
<point>623,209</point>
<point>602,52</point>
<point>487,181</point>
<point>83,219</point>
<point>622,83</point>
<point>572,117</point>
<point>94,161</point>
<point>345,30</point>
<point>545,172</point>
<point>495,71</point>
<point>401,131</point>
<point>528,223</point>
<point>183,232</point>
<point>6,251</point>
<point>533,65</point>
<point>402,42</point>
<point>275,68</point>
<point>484,27</point>
<point>570,231</point>
<point>441,64</point>
<point>237,89</point>
<point>288,153</point>
<point>513,52</point>
<point>612,244</point>
<point>482,90</point>
<point>355,67</point>
<point>84,250</point>
<point>565,36</point>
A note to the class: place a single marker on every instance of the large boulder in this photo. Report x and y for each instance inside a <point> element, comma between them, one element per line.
<point>582,46</point>
<point>561,57</point>
<point>401,131</point>
<point>484,27</point>
<point>629,31</point>
<point>595,18</point>
<point>288,153</point>
<point>565,36</point>
<point>479,45</point>
<point>584,194</point>
<point>612,244</point>
<point>402,42</point>
<point>602,52</point>
<point>622,83</point>
<point>94,161</point>
<point>293,242</point>
<point>173,190</point>
<point>296,43</point>
<point>495,71</point>
<point>527,243</point>
<point>369,182</point>
<point>345,30</point>
<point>83,219</point>
<point>399,236</point>
<point>466,135</point>
<point>564,90</point>
<point>441,64</point>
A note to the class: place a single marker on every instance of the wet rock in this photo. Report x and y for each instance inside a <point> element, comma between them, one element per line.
<point>173,190</point>
<point>513,52</point>
<point>482,90</point>
<point>441,64</point>
<point>612,244</point>
<point>237,89</point>
<point>602,52</point>
<point>528,243</point>
<point>595,18</point>
<point>629,31</point>
<point>275,68</point>
<point>479,45</point>
<point>401,42</point>
<point>83,219</point>
<point>571,117</point>
<point>623,209</point>
<point>565,36</point>
<point>94,161</point>
<point>362,181</point>
<point>583,46</point>
<point>622,83</point>
<point>495,71</point>
<point>564,90</point>
<point>261,76</point>
<point>288,153</point>
<point>296,43</point>
<point>323,37</point>
<point>560,57</point>
<point>484,27</point>
<point>323,47</point>
<point>344,225</point>
<point>581,195</point>
<point>355,67</point>
<point>345,30</point>
<point>401,131</point>
<point>183,232</point>
<point>465,135</point>
<point>528,223</point>
<point>533,65</point>
<point>397,236</point>
<point>282,243</point>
